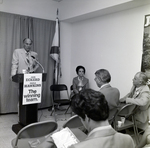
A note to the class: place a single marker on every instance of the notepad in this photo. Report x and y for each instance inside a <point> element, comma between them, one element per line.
<point>64,138</point>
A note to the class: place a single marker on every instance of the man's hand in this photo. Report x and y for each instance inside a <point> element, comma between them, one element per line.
<point>122,99</point>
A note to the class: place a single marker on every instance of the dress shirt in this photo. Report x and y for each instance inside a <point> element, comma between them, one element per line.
<point>104,85</point>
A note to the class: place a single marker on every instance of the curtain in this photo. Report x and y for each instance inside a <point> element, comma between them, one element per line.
<point>13,29</point>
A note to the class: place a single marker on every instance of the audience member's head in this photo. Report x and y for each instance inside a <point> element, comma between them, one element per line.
<point>102,76</point>
<point>90,105</point>
<point>80,70</point>
<point>140,79</point>
<point>27,44</point>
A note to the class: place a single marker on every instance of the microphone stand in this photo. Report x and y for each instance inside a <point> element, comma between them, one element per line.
<point>38,63</point>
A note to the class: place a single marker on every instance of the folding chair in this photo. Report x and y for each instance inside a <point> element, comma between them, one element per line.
<point>71,88</point>
<point>59,101</point>
<point>71,91</point>
<point>127,111</point>
<point>141,127</point>
<point>75,122</point>
<point>33,132</point>
<point>112,115</point>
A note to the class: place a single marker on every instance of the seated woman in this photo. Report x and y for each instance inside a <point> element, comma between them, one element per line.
<point>80,82</point>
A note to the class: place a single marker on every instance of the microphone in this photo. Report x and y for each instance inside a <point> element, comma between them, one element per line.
<point>38,63</point>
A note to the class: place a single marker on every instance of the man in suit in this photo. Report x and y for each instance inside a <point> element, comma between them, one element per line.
<point>139,95</point>
<point>92,108</point>
<point>24,60</point>
<point>112,95</point>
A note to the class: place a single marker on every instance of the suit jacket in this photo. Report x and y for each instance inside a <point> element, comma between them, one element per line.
<point>112,96</point>
<point>19,61</point>
<point>106,138</point>
<point>76,82</point>
<point>142,99</point>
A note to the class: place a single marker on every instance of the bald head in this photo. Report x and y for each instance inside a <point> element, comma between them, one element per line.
<point>140,79</point>
<point>27,44</point>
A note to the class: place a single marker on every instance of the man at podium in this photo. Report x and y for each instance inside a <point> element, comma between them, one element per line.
<point>24,60</point>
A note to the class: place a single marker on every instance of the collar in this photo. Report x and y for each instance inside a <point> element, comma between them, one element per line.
<point>106,84</point>
<point>26,51</point>
<point>80,79</point>
<point>139,88</point>
<point>100,128</point>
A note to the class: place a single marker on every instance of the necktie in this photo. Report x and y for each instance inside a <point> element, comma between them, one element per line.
<point>136,93</point>
<point>27,57</point>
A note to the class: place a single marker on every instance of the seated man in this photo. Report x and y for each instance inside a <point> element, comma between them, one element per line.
<point>112,95</point>
<point>92,108</point>
<point>139,95</point>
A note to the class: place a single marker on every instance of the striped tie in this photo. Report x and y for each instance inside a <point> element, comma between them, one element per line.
<point>27,57</point>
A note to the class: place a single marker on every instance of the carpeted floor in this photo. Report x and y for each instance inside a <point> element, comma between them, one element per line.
<point>9,121</point>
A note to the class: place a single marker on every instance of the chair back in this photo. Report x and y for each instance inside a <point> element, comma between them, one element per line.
<point>73,122</point>
<point>36,130</point>
<point>60,96</point>
<point>71,87</point>
<point>126,111</point>
<point>112,113</point>
<point>58,87</point>
<point>71,91</point>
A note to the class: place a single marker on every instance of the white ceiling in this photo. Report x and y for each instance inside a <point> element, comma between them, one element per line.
<point>77,13</point>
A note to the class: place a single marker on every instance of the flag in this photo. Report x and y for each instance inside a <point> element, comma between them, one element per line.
<point>55,52</point>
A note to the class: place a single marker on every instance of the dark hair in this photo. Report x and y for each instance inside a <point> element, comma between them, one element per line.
<point>91,103</point>
<point>80,67</point>
<point>26,39</point>
<point>104,75</point>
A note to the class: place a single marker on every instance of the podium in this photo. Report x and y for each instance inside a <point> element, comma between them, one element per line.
<point>27,113</point>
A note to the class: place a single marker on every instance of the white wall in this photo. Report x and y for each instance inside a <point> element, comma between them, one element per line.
<point>112,41</point>
<point>65,52</point>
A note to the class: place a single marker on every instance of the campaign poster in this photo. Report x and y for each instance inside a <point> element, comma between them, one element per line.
<point>146,45</point>
<point>32,88</point>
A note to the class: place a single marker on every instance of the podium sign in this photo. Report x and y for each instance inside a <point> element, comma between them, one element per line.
<point>28,113</point>
<point>32,88</point>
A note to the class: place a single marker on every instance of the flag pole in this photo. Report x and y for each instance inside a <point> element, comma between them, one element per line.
<point>57,12</point>
<point>55,63</point>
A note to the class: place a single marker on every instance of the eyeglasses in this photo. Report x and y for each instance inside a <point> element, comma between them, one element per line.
<point>97,79</point>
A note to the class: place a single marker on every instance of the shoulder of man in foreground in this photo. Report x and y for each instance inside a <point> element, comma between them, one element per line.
<point>108,89</point>
<point>119,140</point>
